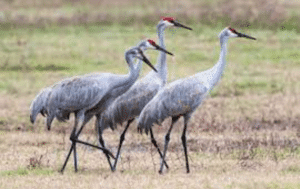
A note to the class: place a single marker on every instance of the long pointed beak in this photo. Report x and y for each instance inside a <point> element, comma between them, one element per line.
<point>245,36</point>
<point>163,50</point>
<point>148,62</point>
<point>177,24</point>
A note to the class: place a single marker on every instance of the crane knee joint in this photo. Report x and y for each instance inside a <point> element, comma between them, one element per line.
<point>183,138</point>
<point>167,137</point>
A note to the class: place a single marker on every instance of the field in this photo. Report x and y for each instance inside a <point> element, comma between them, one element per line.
<point>245,135</point>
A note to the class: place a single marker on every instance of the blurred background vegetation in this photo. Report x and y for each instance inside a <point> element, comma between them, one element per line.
<point>42,42</point>
<point>270,14</point>
<point>248,131</point>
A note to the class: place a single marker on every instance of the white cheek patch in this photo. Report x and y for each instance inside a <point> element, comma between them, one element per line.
<point>167,23</point>
<point>149,46</point>
<point>152,47</point>
<point>231,34</point>
<point>138,56</point>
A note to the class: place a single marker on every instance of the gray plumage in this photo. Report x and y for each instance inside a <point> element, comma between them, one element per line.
<point>182,97</point>
<point>82,93</point>
<point>89,95</point>
<point>39,104</point>
<point>129,105</point>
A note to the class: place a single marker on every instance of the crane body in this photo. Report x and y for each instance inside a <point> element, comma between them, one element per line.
<point>91,94</point>
<point>88,95</point>
<point>129,105</point>
<point>182,97</point>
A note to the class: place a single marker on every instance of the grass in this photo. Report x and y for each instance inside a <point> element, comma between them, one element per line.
<point>208,169</point>
<point>78,50</point>
<point>245,135</point>
<point>256,13</point>
<point>23,172</point>
<point>36,58</point>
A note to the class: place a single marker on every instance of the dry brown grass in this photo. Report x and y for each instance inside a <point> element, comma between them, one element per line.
<point>246,136</point>
<point>220,160</point>
<point>231,144</point>
<point>257,13</point>
<point>234,141</point>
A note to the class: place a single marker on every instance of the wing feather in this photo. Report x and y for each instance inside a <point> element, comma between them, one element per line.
<point>178,98</point>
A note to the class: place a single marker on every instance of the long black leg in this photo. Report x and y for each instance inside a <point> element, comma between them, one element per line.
<point>73,138</point>
<point>68,156</point>
<point>156,146</point>
<point>183,138</point>
<point>75,156</point>
<point>122,138</point>
<point>106,151</point>
<point>167,139</point>
<point>101,141</point>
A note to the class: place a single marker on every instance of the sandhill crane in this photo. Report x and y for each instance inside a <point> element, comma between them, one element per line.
<point>129,105</point>
<point>40,102</point>
<point>89,95</point>
<point>183,96</point>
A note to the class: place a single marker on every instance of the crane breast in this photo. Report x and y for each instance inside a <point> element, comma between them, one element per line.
<point>178,98</point>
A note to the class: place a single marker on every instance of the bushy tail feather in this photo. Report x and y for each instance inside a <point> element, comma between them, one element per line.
<point>145,123</point>
<point>154,113</point>
<point>39,104</point>
<point>103,123</point>
<point>49,121</point>
<point>32,119</point>
<point>36,108</point>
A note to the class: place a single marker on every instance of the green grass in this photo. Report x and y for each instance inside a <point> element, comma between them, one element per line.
<point>34,58</point>
<point>291,170</point>
<point>256,101</point>
<point>24,172</point>
<point>31,55</point>
<point>272,14</point>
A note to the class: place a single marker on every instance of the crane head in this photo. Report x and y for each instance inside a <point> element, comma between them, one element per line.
<point>233,33</point>
<point>170,21</point>
<point>138,53</point>
<point>150,44</point>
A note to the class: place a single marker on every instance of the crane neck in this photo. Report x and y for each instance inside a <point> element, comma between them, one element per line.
<point>216,71</point>
<point>161,64</point>
<point>124,84</point>
<point>161,35</point>
<point>138,67</point>
<point>134,71</point>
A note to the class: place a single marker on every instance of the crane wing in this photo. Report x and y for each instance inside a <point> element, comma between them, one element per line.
<point>82,92</point>
<point>178,98</point>
<point>130,104</point>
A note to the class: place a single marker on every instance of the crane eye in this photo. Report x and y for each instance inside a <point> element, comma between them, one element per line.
<point>152,42</point>
<point>232,30</point>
